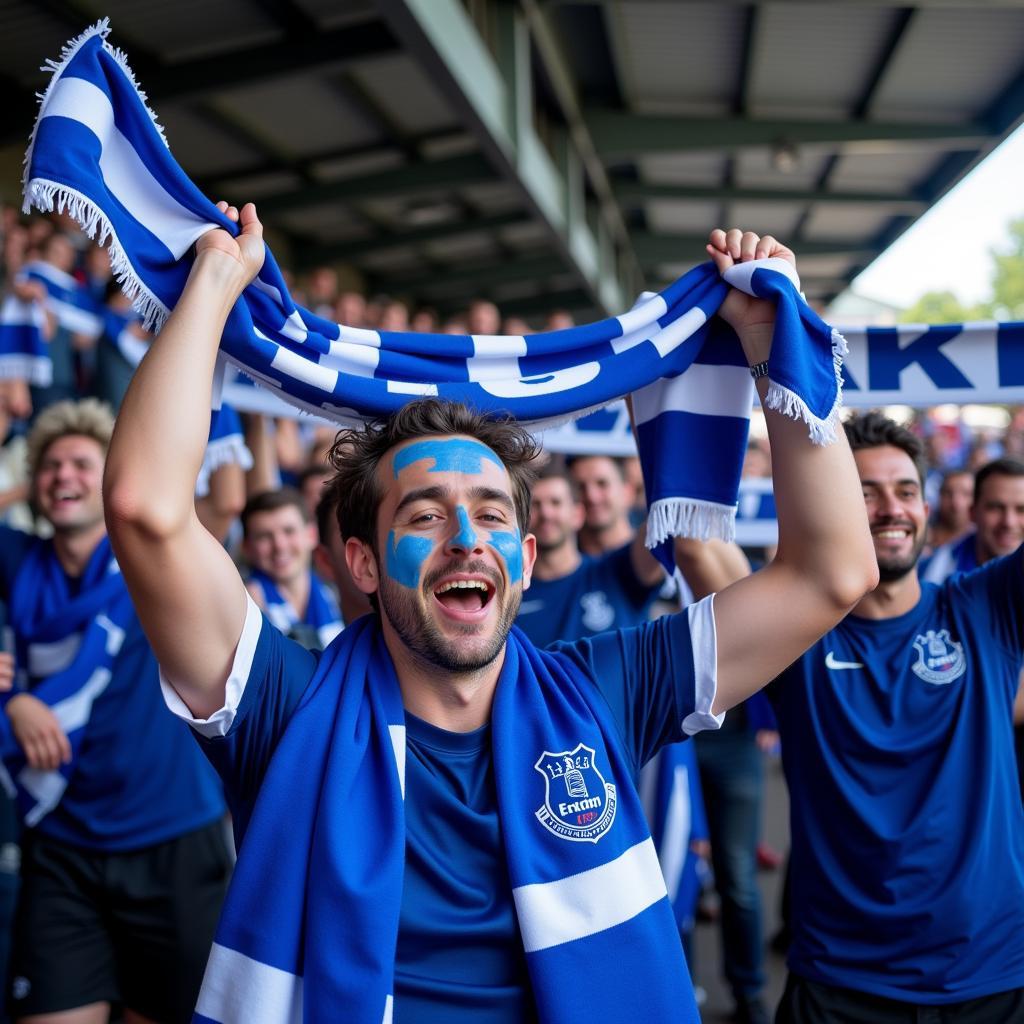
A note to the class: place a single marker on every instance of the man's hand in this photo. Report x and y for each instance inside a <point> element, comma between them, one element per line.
<point>244,254</point>
<point>727,248</point>
<point>37,730</point>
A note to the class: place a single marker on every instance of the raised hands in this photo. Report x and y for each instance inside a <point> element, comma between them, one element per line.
<point>239,258</point>
<point>727,248</point>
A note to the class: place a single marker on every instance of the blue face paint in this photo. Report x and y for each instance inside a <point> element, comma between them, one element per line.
<point>452,455</point>
<point>466,537</point>
<point>405,559</point>
<point>510,547</point>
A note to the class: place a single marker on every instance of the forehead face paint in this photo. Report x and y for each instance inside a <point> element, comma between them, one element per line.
<point>449,455</point>
<point>510,547</point>
<point>404,560</point>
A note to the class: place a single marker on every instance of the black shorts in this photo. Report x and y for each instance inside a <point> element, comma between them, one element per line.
<point>131,928</point>
<point>808,1002</point>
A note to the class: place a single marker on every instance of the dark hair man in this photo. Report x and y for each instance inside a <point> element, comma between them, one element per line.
<point>438,819</point>
<point>572,595</point>
<point>908,834</point>
<point>997,513</point>
<point>279,541</point>
<point>125,861</point>
<point>606,496</point>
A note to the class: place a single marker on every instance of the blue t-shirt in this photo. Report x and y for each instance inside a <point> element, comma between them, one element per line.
<point>459,958</point>
<point>908,833</point>
<point>138,778</point>
<point>603,593</point>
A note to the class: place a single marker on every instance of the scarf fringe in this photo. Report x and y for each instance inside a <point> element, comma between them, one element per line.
<point>788,403</point>
<point>689,517</point>
<point>47,196</point>
<point>223,451</point>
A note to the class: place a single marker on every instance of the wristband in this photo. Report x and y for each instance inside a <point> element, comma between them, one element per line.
<point>759,370</point>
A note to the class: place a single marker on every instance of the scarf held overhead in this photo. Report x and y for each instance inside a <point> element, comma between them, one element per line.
<point>98,153</point>
<point>310,923</point>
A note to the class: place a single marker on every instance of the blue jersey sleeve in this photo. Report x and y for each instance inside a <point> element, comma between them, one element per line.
<point>996,591</point>
<point>280,672</point>
<point>650,675</point>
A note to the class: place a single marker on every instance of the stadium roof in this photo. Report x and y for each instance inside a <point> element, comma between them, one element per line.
<point>554,153</point>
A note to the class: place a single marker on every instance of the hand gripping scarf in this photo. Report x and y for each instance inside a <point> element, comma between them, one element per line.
<point>98,153</point>
<point>322,612</point>
<point>310,923</point>
<point>65,650</point>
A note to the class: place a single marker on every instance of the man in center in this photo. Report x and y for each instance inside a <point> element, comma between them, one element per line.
<point>437,820</point>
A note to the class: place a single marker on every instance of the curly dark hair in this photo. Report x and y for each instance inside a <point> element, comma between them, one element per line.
<point>354,491</point>
<point>875,430</point>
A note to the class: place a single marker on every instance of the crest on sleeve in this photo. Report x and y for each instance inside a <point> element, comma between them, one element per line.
<point>940,659</point>
<point>578,803</point>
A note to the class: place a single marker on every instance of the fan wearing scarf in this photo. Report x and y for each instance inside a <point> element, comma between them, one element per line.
<point>436,820</point>
<point>279,541</point>
<point>125,860</point>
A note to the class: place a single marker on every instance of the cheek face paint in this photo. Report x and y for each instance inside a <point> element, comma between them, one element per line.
<point>405,559</point>
<point>510,547</point>
<point>466,537</point>
<point>452,455</point>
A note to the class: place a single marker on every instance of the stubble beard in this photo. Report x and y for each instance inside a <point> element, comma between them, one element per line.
<point>425,640</point>
<point>892,569</point>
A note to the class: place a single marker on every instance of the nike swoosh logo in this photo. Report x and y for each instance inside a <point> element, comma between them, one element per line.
<point>529,607</point>
<point>830,662</point>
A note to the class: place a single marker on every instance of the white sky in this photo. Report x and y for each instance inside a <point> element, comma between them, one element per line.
<point>948,248</point>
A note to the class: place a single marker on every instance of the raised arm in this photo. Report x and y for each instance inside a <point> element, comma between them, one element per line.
<point>825,561</point>
<point>189,597</point>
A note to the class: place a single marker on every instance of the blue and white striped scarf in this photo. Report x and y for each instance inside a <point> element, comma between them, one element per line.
<point>65,650</point>
<point>310,923</point>
<point>23,351</point>
<point>322,612</point>
<point>98,153</point>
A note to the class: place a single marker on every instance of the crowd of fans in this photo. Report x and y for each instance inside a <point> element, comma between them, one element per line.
<point>270,515</point>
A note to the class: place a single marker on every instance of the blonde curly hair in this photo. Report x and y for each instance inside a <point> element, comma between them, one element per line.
<point>87,418</point>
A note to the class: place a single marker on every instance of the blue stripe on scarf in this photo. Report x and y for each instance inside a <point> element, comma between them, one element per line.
<point>322,611</point>
<point>97,152</point>
<point>77,639</point>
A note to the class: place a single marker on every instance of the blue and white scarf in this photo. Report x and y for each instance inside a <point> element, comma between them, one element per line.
<point>23,351</point>
<point>65,647</point>
<point>674,805</point>
<point>66,298</point>
<point>225,446</point>
<point>98,153</point>
<point>322,612</point>
<point>310,924</point>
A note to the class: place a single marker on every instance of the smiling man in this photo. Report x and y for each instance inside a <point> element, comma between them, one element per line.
<point>436,820</point>
<point>908,835</point>
<point>279,540</point>
<point>125,858</point>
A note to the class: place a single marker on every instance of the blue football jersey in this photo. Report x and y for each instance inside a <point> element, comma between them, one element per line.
<point>908,832</point>
<point>460,956</point>
<point>603,593</point>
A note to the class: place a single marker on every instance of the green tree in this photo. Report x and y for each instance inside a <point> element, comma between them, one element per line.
<point>1008,276</point>
<point>942,308</point>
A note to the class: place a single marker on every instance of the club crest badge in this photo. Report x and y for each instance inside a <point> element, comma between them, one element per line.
<point>598,614</point>
<point>940,659</point>
<point>578,804</point>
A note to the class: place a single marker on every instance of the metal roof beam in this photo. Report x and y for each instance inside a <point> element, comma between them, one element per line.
<point>408,180</point>
<point>621,134</point>
<point>662,247</point>
<point>638,191</point>
<point>493,98</point>
<point>347,251</point>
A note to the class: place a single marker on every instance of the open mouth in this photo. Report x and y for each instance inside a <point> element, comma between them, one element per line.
<point>464,597</point>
